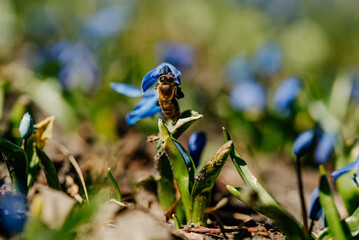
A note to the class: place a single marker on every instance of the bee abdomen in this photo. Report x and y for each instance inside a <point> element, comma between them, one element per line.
<point>170,109</point>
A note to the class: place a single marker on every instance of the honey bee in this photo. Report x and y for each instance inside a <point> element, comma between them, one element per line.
<point>169,91</point>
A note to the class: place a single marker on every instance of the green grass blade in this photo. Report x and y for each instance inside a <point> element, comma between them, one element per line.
<point>350,223</point>
<point>115,185</point>
<point>16,162</point>
<point>327,202</point>
<point>204,181</point>
<point>285,222</point>
<point>49,169</point>
<point>179,166</point>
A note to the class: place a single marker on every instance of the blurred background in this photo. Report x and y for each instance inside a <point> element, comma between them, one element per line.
<point>267,70</point>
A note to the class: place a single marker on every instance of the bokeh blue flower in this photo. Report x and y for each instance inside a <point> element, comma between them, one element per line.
<point>286,94</point>
<point>180,55</point>
<point>248,96</point>
<point>146,107</point>
<point>238,69</point>
<point>303,143</point>
<point>325,147</point>
<point>152,76</point>
<point>78,66</point>
<point>196,143</point>
<point>267,60</point>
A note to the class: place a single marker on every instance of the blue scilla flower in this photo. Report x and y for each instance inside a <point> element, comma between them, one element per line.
<point>164,68</point>
<point>286,94</point>
<point>106,22</point>
<point>248,95</point>
<point>238,69</point>
<point>146,107</point>
<point>315,210</point>
<point>267,60</point>
<point>303,143</point>
<point>178,54</point>
<point>354,165</point>
<point>196,142</point>
<point>78,66</point>
<point>26,127</point>
<point>325,147</point>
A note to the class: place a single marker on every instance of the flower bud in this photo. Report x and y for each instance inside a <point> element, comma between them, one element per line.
<point>303,142</point>
<point>26,126</point>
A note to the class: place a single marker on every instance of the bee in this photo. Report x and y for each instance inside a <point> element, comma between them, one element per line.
<point>169,91</point>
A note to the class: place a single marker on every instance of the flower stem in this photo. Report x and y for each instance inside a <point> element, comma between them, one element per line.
<point>301,196</point>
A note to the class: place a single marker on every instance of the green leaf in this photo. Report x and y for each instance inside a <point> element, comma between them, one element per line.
<point>179,166</point>
<point>115,185</point>
<point>350,223</point>
<point>49,169</point>
<point>247,175</point>
<point>204,181</point>
<point>332,217</point>
<point>16,162</point>
<point>186,119</point>
<point>285,222</point>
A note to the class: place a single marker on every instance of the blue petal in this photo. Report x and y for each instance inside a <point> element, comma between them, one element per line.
<point>238,69</point>
<point>248,95</point>
<point>196,143</point>
<point>325,148</point>
<point>126,89</point>
<point>303,142</point>
<point>185,156</point>
<point>26,127</point>
<point>146,107</point>
<point>341,171</point>
<point>286,94</point>
<point>315,209</point>
<point>151,77</point>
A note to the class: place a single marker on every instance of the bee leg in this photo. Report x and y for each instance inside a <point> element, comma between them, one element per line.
<point>179,93</point>
<point>157,103</point>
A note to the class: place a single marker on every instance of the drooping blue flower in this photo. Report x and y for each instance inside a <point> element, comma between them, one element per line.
<point>178,54</point>
<point>26,127</point>
<point>286,94</point>
<point>185,156</point>
<point>238,69</point>
<point>248,95</point>
<point>146,107</point>
<point>12,214</point>
<point>151,77</point>
<point>354,165</point>
<point>267,60</point>
<point>315,210</point>
<point>78,66</point>
<point>196,142</point>
<point>325,147</point>
<point>303,142</point>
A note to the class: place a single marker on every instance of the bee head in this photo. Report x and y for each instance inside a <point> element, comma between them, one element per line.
<point>166,78</point>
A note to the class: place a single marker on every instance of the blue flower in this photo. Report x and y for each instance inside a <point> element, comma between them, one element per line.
<point>315,210</point>
<point>146,107</point>
<point>248,95</point>
<point>238,69</point>
<point>106,22</point>
<point>303,143</point>
<point>325,147</point>
<point>354,165</point>
<point>184,154</point>
<point>151,77</point>
<point>267,60</point>
<point>26,126</point>
<point>196,142</point>
<point>286,94</point>
<point>178,54</point>
<point>78,66</point>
